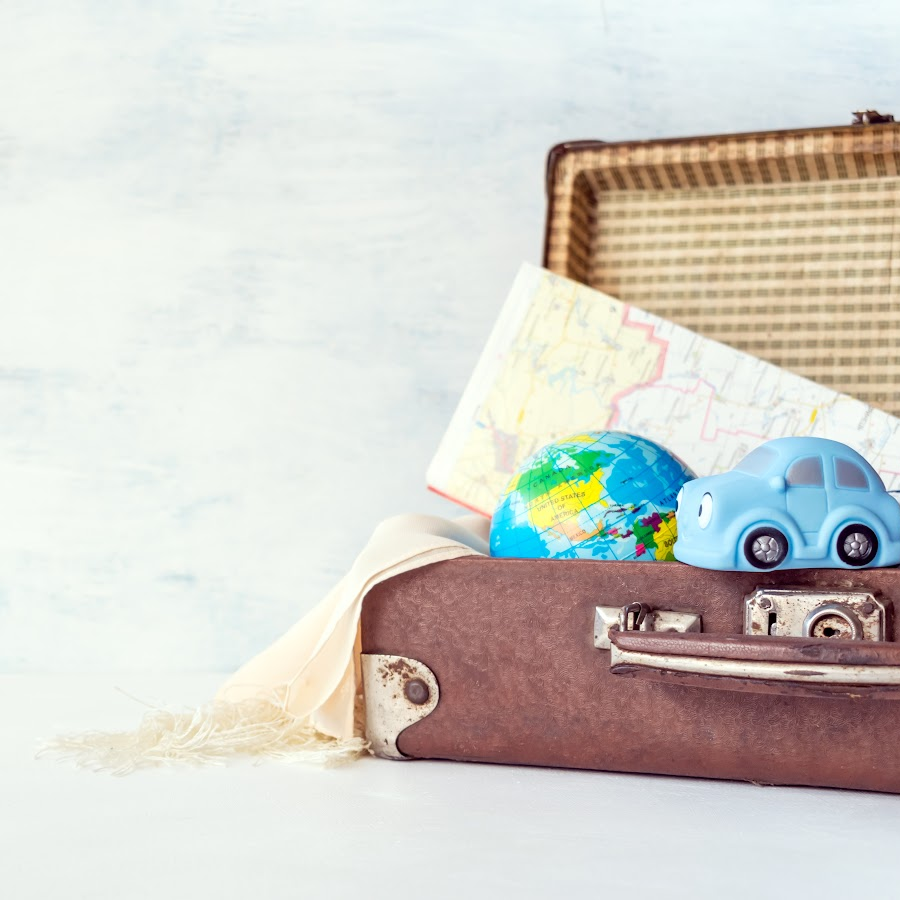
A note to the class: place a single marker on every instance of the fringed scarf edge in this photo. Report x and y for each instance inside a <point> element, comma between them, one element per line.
<point>211,734</point>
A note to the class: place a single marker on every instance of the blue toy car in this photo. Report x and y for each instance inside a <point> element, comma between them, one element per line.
<point>792,503</point>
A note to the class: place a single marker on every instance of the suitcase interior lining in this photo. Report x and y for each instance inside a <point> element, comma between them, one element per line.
<point>785,246</point>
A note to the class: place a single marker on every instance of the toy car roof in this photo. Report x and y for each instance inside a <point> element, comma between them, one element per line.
<point>790,448</point>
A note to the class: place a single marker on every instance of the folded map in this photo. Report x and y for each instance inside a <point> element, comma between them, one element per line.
<point>563,359</point>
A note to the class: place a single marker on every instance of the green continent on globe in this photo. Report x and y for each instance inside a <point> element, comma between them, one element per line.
<point>538,482</point>
<point>605,495</point>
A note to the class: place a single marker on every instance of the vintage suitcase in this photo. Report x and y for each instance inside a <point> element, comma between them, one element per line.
<point>782,244</point>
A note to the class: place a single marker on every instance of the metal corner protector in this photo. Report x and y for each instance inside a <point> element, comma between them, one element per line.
<point>399,691</point>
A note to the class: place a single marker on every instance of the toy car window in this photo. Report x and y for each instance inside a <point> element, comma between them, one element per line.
<point>806,472</point>
<point>849,475</point>
<point>757,461</point>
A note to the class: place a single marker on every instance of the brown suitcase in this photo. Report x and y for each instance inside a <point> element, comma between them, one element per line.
<point>504,661</point>
<point>778,243</point>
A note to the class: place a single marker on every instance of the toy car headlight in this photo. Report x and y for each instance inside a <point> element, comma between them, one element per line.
<point>705,513</point>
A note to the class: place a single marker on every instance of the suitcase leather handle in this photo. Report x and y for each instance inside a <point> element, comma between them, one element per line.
<point>760,664</point>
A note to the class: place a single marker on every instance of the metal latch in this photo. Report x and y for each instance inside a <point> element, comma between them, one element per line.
<point>797,612</point>
<point>871,117</point>
<point>639,617</point>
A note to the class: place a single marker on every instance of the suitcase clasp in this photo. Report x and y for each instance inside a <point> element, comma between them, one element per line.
<point>632,616</point>
<point>639,617</point>
<point>800,612</point>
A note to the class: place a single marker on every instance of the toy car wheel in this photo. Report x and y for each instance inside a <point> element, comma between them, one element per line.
<point>765,548</point>
<point>856,545</point>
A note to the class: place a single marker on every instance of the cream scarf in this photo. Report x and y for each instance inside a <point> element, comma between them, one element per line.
<point>299,699</point>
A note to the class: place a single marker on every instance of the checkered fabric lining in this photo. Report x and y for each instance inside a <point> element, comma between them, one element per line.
<point>783,246</point>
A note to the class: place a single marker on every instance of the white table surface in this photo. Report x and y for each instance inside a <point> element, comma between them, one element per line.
<point>402,830</point>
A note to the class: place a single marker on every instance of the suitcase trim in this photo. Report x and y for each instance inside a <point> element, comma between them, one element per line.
<point>399,691</point>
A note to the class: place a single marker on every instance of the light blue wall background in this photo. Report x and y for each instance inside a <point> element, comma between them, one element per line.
<point>248,259</point>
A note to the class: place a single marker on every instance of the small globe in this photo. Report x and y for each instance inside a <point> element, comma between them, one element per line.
<point>600,495</point>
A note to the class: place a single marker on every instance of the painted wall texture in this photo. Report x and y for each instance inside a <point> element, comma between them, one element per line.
<point>250,253</point>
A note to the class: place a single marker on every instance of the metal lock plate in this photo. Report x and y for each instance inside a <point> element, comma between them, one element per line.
<point>605,617</point>
<point>797,612</point>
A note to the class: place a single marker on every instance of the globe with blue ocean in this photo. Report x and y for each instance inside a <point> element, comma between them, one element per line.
<point>598,495</point>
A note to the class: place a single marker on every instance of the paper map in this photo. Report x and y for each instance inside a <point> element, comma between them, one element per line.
<point>564,358</point>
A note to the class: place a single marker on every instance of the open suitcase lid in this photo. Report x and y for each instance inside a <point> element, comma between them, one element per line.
<point>784,244</point>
